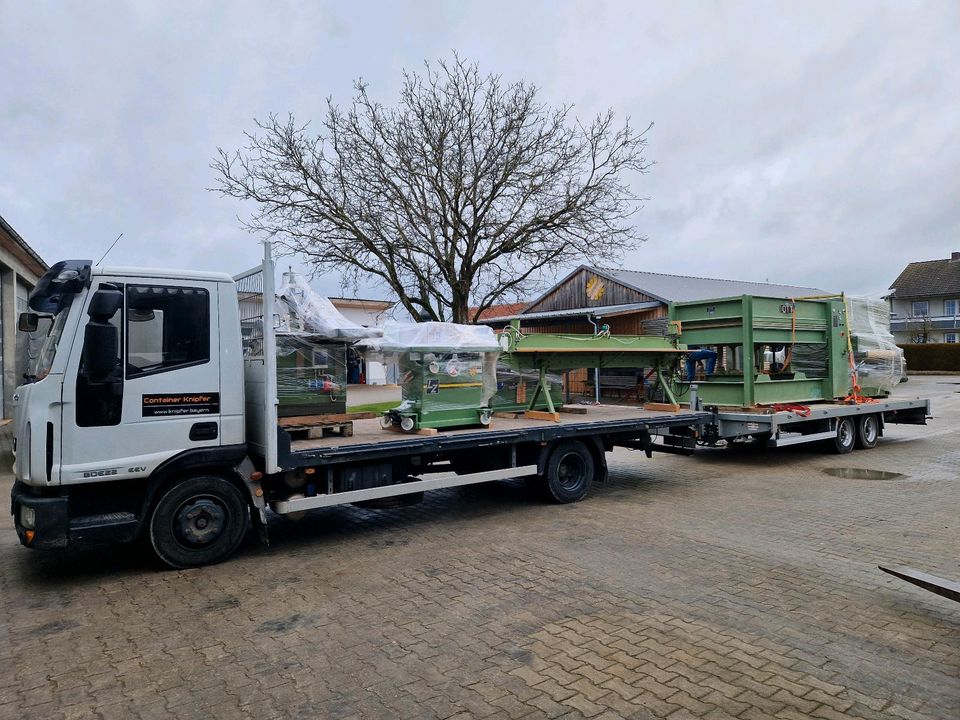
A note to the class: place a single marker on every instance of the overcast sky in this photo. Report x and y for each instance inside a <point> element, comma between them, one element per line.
<point>813,143</point>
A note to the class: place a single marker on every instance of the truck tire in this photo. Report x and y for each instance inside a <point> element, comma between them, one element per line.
<point>868,432</point>
<point>199,521</point>
<point>569,472</point>
<point>846,436</point>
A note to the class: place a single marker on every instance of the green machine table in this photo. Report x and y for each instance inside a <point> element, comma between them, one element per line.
<point>548,352</point>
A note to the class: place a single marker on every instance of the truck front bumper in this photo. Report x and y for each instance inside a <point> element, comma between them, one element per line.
<point>51,521</point>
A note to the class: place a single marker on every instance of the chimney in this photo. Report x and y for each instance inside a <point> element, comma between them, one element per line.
<point>954,257</point>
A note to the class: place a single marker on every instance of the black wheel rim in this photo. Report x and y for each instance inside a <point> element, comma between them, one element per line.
<point>199,521</point>
<point>570,471</point>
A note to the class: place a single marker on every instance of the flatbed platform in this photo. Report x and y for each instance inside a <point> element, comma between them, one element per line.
<point>369,440</point>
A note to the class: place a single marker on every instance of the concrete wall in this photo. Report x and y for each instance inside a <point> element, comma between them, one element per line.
<point>16,281</point>
<point>20,268</point>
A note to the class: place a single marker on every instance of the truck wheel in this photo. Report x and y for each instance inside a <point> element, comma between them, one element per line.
<point>199,521</point>
<point>868,432</point>
<point>846,436</point>
<point>569,472</point>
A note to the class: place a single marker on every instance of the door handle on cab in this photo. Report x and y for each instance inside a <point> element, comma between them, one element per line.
<point>203,431</point>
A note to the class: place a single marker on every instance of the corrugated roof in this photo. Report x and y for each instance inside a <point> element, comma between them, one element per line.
<point>604,311</point>
<point>928,278</point>
<point>682,288</point>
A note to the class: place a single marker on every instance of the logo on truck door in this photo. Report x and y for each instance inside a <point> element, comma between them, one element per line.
<point>172,404</point>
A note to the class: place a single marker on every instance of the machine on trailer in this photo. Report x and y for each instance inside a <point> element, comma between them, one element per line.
<point>776,351</point>
<point>448,373</point>
<point>550,353</point>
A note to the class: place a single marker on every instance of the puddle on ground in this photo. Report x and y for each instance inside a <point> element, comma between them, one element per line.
<point>849,473</point>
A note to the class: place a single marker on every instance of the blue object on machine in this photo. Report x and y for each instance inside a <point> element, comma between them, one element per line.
<point>709,358</point>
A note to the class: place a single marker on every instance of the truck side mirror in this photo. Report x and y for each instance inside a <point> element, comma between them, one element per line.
<point>101,339</point>
<point>105,303</point>
<point>99,356</point>
<point>28,322</point>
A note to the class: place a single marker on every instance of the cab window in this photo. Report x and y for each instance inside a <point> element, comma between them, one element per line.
<point>167,328</point>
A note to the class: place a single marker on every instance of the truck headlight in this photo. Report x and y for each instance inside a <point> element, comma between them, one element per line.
<point>28,517</point>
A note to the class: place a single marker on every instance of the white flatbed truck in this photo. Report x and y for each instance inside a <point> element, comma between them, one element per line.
<point>153,414</point>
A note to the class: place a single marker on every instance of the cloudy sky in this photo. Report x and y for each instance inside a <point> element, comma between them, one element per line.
<point>812,143</point>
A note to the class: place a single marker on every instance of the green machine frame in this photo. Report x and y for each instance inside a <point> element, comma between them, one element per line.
<point>548,352</point>
<point>813,327</point>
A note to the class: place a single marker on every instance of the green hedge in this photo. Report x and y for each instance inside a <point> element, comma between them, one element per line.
<point>933,357</point>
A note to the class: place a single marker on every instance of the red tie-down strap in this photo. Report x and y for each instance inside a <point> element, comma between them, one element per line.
<point>800,410</point>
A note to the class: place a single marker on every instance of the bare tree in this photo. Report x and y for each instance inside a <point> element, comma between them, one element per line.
<point>468,192</point>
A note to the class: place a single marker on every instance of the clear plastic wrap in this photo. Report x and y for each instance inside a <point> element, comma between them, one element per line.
<point>311,376</point>
<point>879,362</point>
<point>515,389</point>
<point>809,359</point>
<point>399,336</point>
<point>301,310</point>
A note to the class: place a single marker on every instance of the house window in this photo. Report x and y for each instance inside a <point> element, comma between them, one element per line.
<point>950,308</point>
<point>950,337</point>
<point>921,308</point>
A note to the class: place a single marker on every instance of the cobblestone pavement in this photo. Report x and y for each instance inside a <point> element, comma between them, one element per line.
<point>733,584</point>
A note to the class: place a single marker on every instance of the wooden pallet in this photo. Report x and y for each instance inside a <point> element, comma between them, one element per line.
<point>312,427</point>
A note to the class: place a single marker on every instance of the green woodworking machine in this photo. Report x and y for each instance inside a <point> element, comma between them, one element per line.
<point>549,353</point>
<point>774,350</point>
<point>756,351</point>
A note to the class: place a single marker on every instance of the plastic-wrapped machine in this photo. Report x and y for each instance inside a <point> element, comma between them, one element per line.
<point>879,362</point>
<point>312,341</point>
<point>311,376</point>
<point>448,372</point>
<point>515,389</point>
<point>301,310</point>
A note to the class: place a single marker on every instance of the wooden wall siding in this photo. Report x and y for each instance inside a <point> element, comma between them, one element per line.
<point>573,294</point>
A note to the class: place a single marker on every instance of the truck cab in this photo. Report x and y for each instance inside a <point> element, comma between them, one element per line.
<point>140,378</point>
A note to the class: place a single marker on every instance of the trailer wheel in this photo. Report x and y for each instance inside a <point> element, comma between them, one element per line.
<point>846,436</point>
<point>868,432</point>
<point>569,472</point>
<point>199,521</point>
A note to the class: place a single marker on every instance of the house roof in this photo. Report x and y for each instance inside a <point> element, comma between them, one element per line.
<point>362,303</point>
<point>683,288</point>
<point>26,254</point>
<point>504,310</point>
<point>928,278</point>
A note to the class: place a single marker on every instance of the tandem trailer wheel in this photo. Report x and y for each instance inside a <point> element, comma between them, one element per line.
<point>868,431</point>
<point>846,436</point>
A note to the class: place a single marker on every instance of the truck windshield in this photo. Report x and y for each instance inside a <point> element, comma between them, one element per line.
<point>48,351</point>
